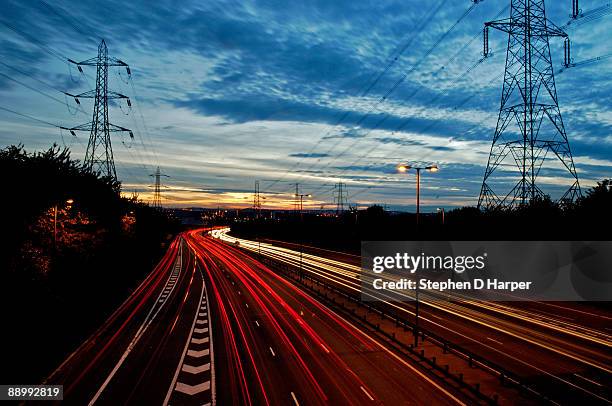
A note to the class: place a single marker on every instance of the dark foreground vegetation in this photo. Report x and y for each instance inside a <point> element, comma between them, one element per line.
<point>72,251</point>
<point>590,218</point>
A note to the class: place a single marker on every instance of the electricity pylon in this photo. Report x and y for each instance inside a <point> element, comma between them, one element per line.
<point>99,155</point>
<point>341,197</point>
<point>157,188</point>
<point>257,200</point>
<point>529,100</point>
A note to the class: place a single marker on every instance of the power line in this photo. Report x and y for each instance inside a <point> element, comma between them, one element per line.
<point>393,88</point>
<point>68,19</point>
<point>30,117</point>
<point>36,42</point>
<point>31,76</point>
<point>366,91</point>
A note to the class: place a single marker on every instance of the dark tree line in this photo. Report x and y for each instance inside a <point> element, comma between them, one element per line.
<point>542,219</point>
<point>73,249</point>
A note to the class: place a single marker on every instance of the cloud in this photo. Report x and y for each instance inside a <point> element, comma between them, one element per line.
<point>228,86</point>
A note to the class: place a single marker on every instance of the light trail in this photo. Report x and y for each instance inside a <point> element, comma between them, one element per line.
<point>347,276</point>
<point>308,350</point>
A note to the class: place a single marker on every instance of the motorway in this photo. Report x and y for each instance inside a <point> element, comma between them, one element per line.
<point>211,325</point>
<point>561,348</point>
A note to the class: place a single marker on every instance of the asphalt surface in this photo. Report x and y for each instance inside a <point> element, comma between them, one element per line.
<point>211,325</point>
<point>562,348</point>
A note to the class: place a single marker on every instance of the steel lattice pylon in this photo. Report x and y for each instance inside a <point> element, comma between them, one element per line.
<point>529,100</point>
<point>257,200</point>
<point>341,197</point>
<point>157,198</point>
<point>99,155</point>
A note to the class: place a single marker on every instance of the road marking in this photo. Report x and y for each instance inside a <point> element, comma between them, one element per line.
<point>495,341</point>
<point>366,392</point>
<point>192,390</point>
<point>198,354</point>
<point>325,348</point>
<point>272,351</point>
<point>256,322</point>
<point>202,321</point>
<point>195,370</point>
<point>139,333</point>
<point>199,340</point>
<point>175,385</point>
<point>295,399</point>
<point>398,358</point>
<point>588,380</point>
<point>246,304</point>
<point>201,314</point>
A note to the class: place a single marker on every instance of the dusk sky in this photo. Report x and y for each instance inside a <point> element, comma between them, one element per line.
<point>226,93</point>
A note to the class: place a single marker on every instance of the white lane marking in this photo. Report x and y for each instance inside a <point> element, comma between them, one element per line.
<point>495,341</point>
<point>195,370</point>
<point>272,351</point>
<point>198,354</point>
<point>246,304</point>
<point>143,328</point>
<point>588,380</point>
<point>295,399</point>
<point>203,293</point>
<point>199,340</point>
<point>202,321</point>
<point>325,348</point>
<point>398,358</point>
<point>192,390</point>
<point>256,322</point>
<point>366,392</point>
<point>202,314</point>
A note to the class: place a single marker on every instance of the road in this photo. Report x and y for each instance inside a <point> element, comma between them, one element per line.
<point>562,348</point>
<point>138,355</point>
<point>210,325</point>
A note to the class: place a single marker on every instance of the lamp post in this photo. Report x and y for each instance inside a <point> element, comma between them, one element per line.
<point>301,196</point>
<point>302,201</point>
<point>68,204</point>
<point>441,210</point>
<point>403,168</point>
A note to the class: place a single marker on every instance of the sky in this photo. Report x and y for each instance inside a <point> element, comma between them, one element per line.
<point>227,93</point>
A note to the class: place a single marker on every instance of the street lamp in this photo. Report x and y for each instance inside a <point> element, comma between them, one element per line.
<point>301,196</point>
<point>69,203</point>
<point>441,210</point>
<point>302,200</point>
<point>403,168</point>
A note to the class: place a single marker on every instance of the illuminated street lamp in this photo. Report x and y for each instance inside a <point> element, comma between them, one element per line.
<point>441,210</point>
<point>301,196</point>
<point>68,203</point>
<point>403,168</point>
